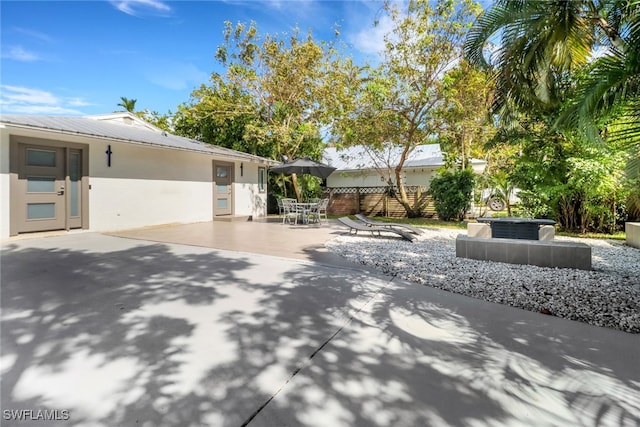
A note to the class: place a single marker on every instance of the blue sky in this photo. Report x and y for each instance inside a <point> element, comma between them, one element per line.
<point>80,57</point>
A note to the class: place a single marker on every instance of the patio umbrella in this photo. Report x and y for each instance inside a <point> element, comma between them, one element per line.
<point>304,166</point>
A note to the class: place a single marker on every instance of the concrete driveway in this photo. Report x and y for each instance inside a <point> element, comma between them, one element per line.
<point>111,331</point>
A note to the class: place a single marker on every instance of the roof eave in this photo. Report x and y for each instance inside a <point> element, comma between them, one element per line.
<point>231,154</point>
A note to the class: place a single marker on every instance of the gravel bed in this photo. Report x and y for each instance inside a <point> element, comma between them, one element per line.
<point>608,296</point>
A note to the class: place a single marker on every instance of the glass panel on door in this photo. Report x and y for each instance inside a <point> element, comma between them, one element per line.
<point>44,158</point>
<point>74,184</point>
<point>41,211</point>
<point>41,184</point>
<point>222,171</point>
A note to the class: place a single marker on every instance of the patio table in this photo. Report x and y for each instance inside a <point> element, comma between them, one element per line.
<point>305,208</point>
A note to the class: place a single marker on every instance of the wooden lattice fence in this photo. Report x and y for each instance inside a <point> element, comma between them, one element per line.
<point>374,201</point>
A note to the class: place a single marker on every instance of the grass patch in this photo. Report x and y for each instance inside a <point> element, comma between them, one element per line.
<point>618,235</point>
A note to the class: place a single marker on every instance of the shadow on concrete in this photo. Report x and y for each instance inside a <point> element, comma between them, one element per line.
<point>167,335</point>
<point>415,356</point>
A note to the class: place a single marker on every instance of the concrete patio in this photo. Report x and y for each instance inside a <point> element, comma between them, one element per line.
<point>200,325</point>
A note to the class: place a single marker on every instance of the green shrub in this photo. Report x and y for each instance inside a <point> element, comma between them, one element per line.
<point>451,192</point>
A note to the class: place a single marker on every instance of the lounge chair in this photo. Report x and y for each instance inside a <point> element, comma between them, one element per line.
<point>358,226</point>
<point>370,222</point>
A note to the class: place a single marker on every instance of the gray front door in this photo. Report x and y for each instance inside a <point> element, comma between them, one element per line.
<point>222,188</point>
<point>48,190</point>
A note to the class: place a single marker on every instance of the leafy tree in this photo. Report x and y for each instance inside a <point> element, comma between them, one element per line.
<point>452,193</point>
<point>564,178</point>
<point>287,84</point>
<point>466,123</point>
<point>128,104</point>
<point>161,121</point>
<point>214,115</point>
<point>397,104</point>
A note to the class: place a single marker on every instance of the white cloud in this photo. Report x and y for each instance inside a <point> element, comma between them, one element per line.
<point>35,35</point>
<point>136,7</point>
<point>16,94</point>
<point>77,102</point>
<point>376,23</point>
<point>18,53</point>
<point>271,4</point>
<point>177,76</point>
<point>370,39</point>
<point>275,4</point>
<point>23,100</point>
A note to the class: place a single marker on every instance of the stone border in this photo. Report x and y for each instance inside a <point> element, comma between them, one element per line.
<point>633,233</point>
<point>531,252</point>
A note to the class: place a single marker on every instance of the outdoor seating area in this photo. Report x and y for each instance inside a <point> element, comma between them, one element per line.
<point>294,212</point>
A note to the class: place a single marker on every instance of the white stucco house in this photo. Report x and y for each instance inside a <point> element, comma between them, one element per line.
<point>115,171</point>
<point>357,167</point>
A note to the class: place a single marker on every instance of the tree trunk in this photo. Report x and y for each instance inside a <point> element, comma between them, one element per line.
<point>296,187</point>
<point>403,199</point>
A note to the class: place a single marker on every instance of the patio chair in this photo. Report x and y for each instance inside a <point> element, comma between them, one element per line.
<point>281,204</point>
<point>368,221</point>
<point>319,210</point>
<point>290,211</point>
<point>354,227</point>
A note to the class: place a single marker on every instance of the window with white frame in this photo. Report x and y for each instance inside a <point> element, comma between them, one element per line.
<point>262,179</point>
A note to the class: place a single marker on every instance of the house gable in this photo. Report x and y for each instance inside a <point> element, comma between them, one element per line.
<point>125,118</point>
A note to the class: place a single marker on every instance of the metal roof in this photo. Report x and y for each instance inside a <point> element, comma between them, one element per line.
<point>357,158</point>
<point>95,128</point>
<point>436,161</point>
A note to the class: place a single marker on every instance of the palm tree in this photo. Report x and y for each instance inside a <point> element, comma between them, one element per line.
<point>544,43</point>
<point>610,90</point>
<point>540,42</point>
<point>547,53</point>
<point>128,104</point>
